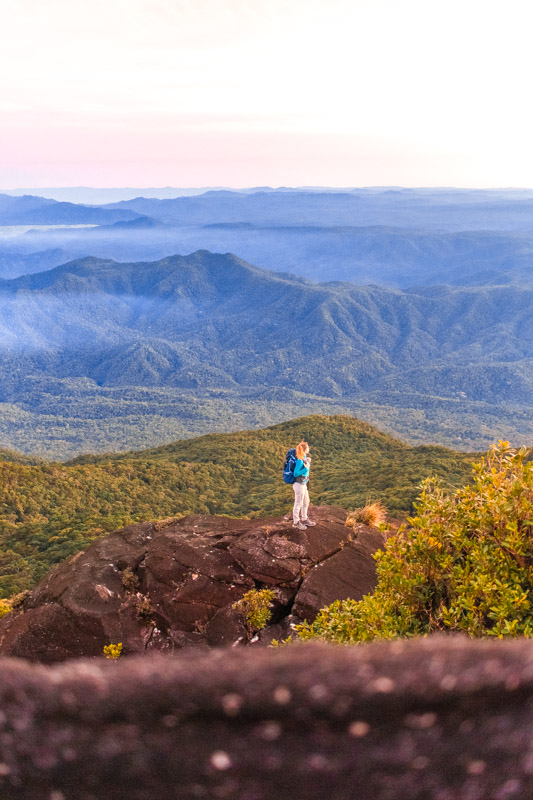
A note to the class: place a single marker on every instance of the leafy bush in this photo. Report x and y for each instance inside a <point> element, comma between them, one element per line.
<point>254,608</point>
<point>465,564</point>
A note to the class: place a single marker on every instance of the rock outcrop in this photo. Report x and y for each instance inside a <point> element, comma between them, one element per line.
<point>172,584</point>
<point>442,718</point>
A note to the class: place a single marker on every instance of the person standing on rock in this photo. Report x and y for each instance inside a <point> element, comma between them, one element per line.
<point>301,491</point>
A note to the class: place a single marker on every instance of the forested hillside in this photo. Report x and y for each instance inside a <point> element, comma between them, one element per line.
<point>50,511</point>
<point>18,458</point>
<point>211,323</point>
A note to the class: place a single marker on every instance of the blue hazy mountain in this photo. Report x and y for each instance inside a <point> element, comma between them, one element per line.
<point>396,237</point>
<point>412,311</point>
<point>140,223</point>
<point>445,211</point>
<point>90,195</point>
<point>29,210</point>
<point>101,195</point>
<point>388,256</point>
<point>97,355</point>
<point>216,321</point>
<point>13,264</point>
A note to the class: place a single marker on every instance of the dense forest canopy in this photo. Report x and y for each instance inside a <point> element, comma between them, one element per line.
<point>50,511</point>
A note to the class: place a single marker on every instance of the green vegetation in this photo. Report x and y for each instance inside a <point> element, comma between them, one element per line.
<point>50,511</point>
<point>60,419</point>
<point>465,564</point>
<point>18,458</point>
<point>254,608</point>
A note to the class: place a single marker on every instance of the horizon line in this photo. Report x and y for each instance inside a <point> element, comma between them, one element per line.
<point>443,187</point>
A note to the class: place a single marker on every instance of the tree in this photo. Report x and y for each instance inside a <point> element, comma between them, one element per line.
<point>464,564</point>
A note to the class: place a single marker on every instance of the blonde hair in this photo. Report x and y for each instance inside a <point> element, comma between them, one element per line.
<point>301,450</point>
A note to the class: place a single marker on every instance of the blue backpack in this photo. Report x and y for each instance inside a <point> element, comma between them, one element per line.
<point>288,467</point>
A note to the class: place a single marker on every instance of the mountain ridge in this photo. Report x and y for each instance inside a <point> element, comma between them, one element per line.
<point>212,322</point>
<point>234,345</point>
<point>34,210</point>
<point>428,210</point>
<point>237,303</point>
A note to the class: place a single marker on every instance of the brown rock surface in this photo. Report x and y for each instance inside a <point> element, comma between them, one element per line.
<point>442,718</point>
<point>350,572</point>
<point>165,586</point>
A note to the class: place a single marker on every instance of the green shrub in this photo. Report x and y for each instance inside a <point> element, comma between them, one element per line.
<point>465,564</point>
<point>254,608</point>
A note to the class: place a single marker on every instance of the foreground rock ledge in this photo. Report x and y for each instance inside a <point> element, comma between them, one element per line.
<point>442,718</point>
<point>172,584</point>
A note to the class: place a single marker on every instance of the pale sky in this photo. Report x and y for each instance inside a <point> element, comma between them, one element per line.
<point>266,92</point>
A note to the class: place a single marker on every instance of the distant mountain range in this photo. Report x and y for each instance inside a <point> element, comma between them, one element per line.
<point>28,210</point>
<point>100,195</point>
<point>215,321</point>
<point>383,256</point>
<point>393,238</point>
<point>97,196</point>
<point>443,211</point>
<point>407,307</point>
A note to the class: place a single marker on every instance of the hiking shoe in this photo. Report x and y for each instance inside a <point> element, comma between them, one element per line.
<point>308,523</point>
<point>299,525</point>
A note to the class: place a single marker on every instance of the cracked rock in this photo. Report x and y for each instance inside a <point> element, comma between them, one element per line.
<point>188,574</point>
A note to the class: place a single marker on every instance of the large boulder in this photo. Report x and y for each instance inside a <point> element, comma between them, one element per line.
<point>442,718</point>
<point>173,584</point>
<point>350,572</point>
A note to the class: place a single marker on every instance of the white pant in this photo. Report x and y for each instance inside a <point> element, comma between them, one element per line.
<point>301,502</point>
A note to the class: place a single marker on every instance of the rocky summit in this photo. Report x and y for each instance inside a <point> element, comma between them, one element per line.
<point>169,585</point>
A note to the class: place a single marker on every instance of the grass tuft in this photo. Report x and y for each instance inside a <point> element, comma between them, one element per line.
<point>373,514</point>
